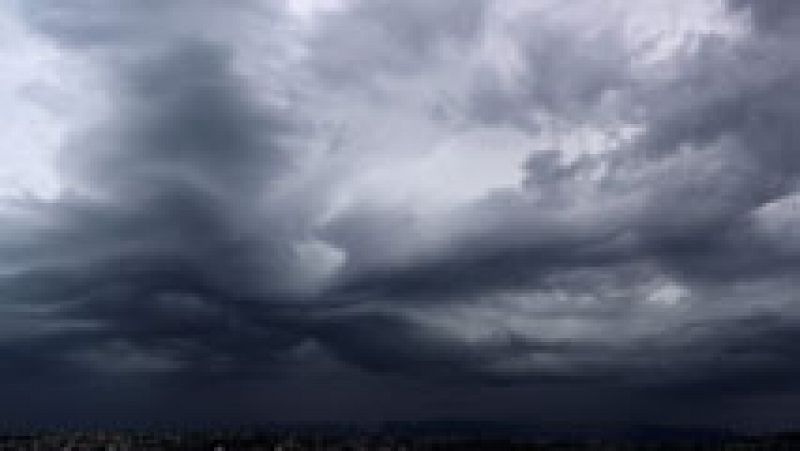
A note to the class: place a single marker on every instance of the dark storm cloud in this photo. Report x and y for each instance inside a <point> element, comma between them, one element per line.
<point>685,196</point>
<point>769,14</point>
<point>170,257</point>
<point>206,235</point>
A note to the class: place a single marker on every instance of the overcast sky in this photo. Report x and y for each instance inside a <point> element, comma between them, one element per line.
<point>256,210</point>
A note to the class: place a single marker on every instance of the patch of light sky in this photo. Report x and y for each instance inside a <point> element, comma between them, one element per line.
<point>46,93</point>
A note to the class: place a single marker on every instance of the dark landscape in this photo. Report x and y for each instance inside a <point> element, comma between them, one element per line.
<point>403,436</point>
<point>399,436</point>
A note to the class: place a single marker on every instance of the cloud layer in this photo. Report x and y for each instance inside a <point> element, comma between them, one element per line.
<point>521,196</point>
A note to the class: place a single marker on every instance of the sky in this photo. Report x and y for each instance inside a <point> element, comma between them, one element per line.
<point>343,210</point>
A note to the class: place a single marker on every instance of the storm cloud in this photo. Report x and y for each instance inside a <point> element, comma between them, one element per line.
<point>402,201</point>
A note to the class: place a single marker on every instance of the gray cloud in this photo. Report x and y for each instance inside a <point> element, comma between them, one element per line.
<point>249,207</point>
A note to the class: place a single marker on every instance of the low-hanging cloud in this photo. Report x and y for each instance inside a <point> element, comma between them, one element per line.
<point>259,197</point>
